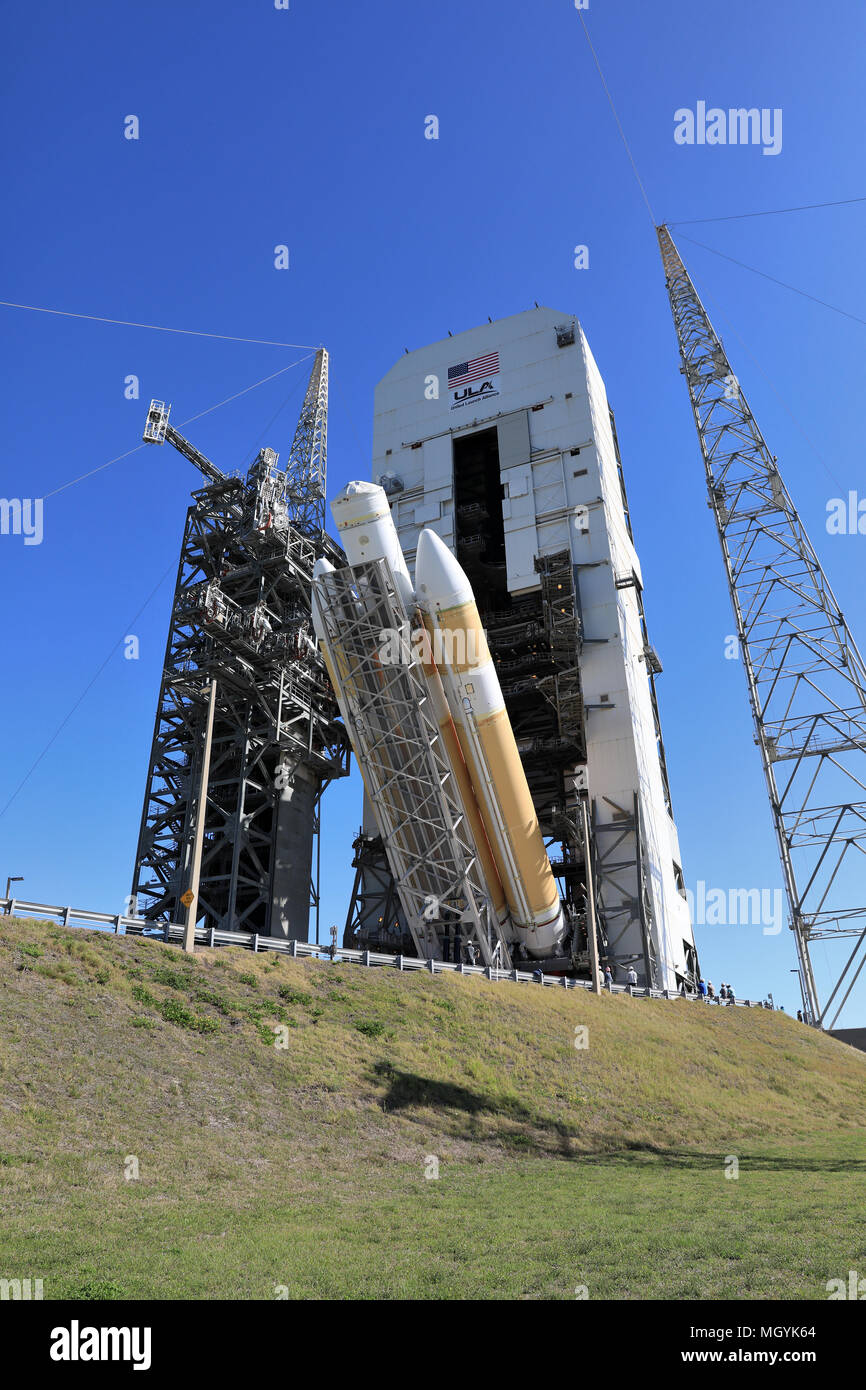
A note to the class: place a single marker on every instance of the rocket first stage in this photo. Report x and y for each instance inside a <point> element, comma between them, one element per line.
<point>460,686</point>
<point>488,745</point>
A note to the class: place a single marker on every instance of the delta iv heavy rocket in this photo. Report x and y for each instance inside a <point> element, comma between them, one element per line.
<point>466,700</point>
<point>488,745</point>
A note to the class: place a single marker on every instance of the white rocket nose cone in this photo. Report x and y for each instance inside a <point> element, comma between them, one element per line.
<point>321,567</point>
<point>355,488</point>
<point>359,502</point>
<point>439,576</point>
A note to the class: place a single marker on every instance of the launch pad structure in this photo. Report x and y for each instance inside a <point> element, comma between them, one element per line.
<point>240,624</point>
<point>499,441</point>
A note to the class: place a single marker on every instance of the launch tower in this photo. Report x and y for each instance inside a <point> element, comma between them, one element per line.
<point>241,626</point>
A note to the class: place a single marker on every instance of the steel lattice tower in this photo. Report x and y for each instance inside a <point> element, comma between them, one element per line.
<point>806,678</point>
<point>241,618</point>
<point>307,465</point>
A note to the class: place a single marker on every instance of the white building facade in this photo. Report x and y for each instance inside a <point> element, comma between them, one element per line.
<point>502,440</point>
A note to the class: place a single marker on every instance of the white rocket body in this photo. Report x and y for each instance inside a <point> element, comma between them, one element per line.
<point>367,531</point>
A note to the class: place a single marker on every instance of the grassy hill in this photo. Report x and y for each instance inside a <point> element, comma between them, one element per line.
<point>304,1167</point>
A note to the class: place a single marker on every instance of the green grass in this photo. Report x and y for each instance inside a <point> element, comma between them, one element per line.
<point>262,1165</point>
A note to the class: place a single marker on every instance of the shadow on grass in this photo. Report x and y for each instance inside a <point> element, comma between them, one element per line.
<point>695,1158</point>
<point>409,1089</point>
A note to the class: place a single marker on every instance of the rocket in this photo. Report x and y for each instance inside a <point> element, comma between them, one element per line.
<point>489,749</point>
<point>367,531</point>
<point>467,704</point>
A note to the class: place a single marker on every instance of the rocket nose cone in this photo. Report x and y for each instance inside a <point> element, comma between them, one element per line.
<point>439,577</point>
<point>359,494</point>
<point>322,566</point>
<point>358,487</point>
<point>358,502</point>
<point>318,595</point>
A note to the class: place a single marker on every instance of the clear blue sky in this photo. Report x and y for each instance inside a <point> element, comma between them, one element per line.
<point>306,127</point>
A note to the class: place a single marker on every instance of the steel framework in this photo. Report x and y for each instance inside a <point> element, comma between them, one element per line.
<point>806,678</point>
<point>407,774</point>
<point>307,465</point>
<point>241,616</point>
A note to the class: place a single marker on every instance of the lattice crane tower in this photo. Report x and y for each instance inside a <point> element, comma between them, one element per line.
<point>806,678</point>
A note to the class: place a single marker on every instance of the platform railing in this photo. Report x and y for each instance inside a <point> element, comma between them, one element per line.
<point>171,932</point>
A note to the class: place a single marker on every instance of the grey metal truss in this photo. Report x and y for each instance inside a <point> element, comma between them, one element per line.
<point>806,678</point>
<point>307,465</point>
<point>407,774</point>
<point>375,916</point>
<point>623,889</point>
<point>241,615</point>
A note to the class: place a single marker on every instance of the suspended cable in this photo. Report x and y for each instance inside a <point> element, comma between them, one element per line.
<point>62,725</point>
<point>184,423</point>
<point>156,327</point>
<point>616,118</point>
<point>772,212</point>
<point>776,392</point>
<point>805,295</point>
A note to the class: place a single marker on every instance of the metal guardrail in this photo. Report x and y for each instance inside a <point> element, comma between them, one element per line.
<point>307,950</point>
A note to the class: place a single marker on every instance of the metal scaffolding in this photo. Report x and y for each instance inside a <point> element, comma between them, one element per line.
<point>241,616</point>
<point>806,678</point>
<point>407,774</point>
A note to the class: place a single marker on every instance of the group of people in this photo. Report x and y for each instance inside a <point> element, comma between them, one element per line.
<point>630,979</point>
<point>706,991</point>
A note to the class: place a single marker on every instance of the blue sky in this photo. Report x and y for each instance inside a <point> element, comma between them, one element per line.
<point>305,127</point>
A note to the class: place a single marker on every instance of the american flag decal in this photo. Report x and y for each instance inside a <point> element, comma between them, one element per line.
<point>476,370</point>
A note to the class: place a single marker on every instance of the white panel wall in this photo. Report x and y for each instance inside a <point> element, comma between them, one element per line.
<point>562,491</point>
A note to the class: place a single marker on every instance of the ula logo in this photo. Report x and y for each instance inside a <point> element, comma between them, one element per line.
<point>77,1343</point>
<point>474,379</point>
<point>469,392</point>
